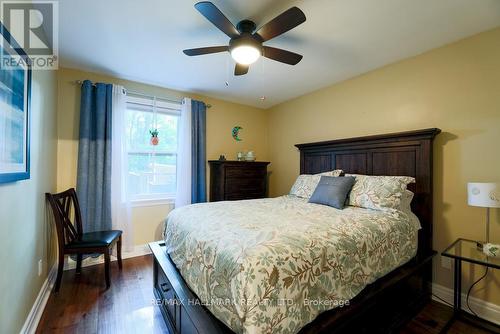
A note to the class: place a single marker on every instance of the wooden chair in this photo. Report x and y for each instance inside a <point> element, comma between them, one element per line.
<point>72,240</point>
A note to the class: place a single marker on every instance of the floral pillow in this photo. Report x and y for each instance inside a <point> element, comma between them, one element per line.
<point>305,184</point>
<point>378,192</point>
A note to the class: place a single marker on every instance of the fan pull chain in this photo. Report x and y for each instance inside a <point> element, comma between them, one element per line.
<point>227,72</point>
<point>263,93</point>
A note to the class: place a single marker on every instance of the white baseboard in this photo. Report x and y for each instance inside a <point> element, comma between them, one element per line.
<point>139,250</point>
<point>36,312</point>
<point>485,310</point>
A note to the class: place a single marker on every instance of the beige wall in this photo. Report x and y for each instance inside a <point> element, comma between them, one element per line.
<point>26,233</point>
<point>455,88</point>
<point>220,120</point>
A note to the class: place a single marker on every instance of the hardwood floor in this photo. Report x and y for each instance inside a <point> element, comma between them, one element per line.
<point>84,306</point>
<point>434,317</point>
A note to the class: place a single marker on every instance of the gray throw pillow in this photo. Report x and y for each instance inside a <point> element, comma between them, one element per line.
<point>332,191</point>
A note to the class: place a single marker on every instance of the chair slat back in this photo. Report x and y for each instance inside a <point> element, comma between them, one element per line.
<point>67,215</point>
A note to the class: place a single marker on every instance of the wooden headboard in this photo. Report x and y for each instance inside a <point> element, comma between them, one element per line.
<point>404,153</point>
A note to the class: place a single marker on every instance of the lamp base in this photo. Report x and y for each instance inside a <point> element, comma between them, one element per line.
<point>480,245</point>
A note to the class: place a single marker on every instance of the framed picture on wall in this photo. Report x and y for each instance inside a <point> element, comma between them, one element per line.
<point>15,90</point>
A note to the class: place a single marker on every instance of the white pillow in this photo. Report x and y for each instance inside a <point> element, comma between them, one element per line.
<point>305,184</point>
<point>378,192</point>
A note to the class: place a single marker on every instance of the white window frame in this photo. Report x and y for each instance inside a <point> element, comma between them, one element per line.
<point>160,106</point>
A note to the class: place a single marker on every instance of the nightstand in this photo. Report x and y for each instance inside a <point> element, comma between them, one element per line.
<point>468,251</point>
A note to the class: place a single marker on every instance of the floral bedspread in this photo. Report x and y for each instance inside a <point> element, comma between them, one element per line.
<point>272,265</point>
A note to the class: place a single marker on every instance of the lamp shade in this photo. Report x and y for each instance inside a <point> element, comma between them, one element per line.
<point>486,195</point>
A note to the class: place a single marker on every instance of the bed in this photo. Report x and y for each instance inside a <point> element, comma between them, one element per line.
<point>235,261</point>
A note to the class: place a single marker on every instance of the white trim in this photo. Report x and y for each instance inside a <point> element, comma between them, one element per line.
<point>153,102</point>
<point>485,310</point>
<point>36,311</point>
<point>152,151</point>
<point>139,250</point>
<point>152,202</point>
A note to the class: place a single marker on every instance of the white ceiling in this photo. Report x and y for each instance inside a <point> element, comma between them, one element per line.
<point>143,41</point>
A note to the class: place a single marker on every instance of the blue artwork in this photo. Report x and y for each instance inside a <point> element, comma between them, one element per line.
<point>15,81</point>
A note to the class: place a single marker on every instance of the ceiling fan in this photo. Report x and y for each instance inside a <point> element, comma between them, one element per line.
<point>245,45</point>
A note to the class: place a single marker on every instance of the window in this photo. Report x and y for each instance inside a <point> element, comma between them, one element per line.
<point>151,168</point>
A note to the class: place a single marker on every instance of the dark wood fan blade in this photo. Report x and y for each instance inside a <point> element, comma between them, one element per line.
<point>240,69</point>
<point>281,24</point>
<point>281,55</point>
<point>214,15</point>
<point>204,51</point>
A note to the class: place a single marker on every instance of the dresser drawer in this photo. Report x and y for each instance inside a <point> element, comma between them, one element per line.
<point>186,325</point>
<point>163,284</point>
<point>234,185</point>
<point>181,309</point>
<point>179,320</point>
<point>242,196</point>
<point>169,302</point>
<point>245,172</point>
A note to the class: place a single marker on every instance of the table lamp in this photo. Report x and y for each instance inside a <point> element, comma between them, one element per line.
<point>486,195</point>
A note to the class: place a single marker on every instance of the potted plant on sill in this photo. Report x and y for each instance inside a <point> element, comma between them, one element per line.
<point>154,137</point>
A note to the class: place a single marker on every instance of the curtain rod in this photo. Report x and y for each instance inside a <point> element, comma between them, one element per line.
<point>79,82</point>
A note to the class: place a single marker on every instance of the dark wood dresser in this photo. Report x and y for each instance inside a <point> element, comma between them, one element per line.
<point>237,180</point>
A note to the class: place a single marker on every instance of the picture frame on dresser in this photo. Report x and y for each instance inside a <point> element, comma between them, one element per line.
<point>15,95</point>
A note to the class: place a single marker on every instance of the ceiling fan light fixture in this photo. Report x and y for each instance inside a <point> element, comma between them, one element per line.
<point>245,54</point>
<point>246,41</point>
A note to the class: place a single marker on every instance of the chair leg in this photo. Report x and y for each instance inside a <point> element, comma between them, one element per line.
<point>60,268</point>
<point>106,268</point>
<point>79,259</point>
<point>119,251</point>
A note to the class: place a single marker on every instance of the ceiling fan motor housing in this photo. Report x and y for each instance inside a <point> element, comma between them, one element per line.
<point>246,26</point>
<point>245,39</point>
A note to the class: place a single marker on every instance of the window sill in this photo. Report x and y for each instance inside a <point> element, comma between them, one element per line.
<point>152,202</point>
